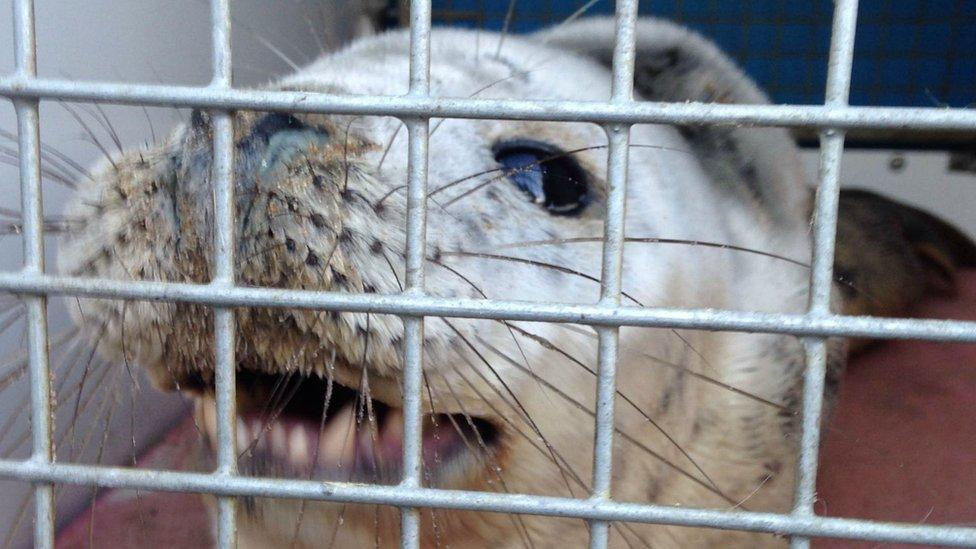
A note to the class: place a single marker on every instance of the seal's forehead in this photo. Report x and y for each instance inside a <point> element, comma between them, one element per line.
<point>464,63</point>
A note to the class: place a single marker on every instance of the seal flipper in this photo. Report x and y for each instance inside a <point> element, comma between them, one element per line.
<point>890,255</point>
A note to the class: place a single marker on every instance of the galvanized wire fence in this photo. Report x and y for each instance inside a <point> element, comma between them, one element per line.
<point>415,109</point>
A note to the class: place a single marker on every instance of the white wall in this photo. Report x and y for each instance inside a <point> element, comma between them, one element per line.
<point>161,41</point>
<point>922,180</point>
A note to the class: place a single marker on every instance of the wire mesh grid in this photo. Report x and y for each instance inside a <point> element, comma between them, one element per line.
<point>415,109</point>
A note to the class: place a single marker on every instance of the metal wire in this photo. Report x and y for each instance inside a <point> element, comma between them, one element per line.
<point>618,138</point>
<point>418,132</point>
<point>225,328</point>
<point>811,116</point>
<point>840,65</point>
<point>32,213</point>
<point>415,109</point>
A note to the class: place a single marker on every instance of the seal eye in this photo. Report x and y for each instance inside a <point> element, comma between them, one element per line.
<point>547,175</point>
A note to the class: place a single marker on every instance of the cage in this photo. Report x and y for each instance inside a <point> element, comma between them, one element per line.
<point>820,99</point>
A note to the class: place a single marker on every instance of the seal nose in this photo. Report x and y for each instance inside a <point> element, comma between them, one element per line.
<point>199,119</point>
<point>274,139</point>
<point>273,123</point>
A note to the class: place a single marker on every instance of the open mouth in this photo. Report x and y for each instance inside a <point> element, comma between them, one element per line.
<point>305,426</point>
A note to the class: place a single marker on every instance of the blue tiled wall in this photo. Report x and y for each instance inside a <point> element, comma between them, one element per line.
<point>907,53</point>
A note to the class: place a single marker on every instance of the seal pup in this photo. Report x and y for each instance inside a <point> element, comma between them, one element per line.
<point>716,217</point>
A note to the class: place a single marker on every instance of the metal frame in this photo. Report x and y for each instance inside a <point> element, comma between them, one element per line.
<point>415,109</point>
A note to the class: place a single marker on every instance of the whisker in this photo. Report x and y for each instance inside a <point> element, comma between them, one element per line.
<point>523,412</point>
<point>580,406</point>
<point>57,228</point>
<point>572,17</point>
<point>386,150</point>
<point>345,156</point>
<point>437,458</point>
<point>53,169</point>
<point>396,132</point>
<point>53,156</point>
<point>94,139</point>
<point>485,452</point>
<point>13,314</point>
<point>366,399</point>
<point>547,344</point>
<point>525,261</point>
<point>106,420</point>
<point>11,305</point>
<point>690,372</point>
<point>469,282</point>
<point>567,270</point>
<point>109,404</point>
<point>279,399</point>
<point>315,36</point>
<point>338,522</point>
<point>133,452</point>
<point>276,404</point>
<point>16,363</point>
<point>152,128</point>
<point>679,241</point>
<point>12,160</point>
<point>14,526</point>
<point>104,369</point>
<point>274,49</point>
<point>84,378</point>
<point>392,269</point>
<point>739,504</point>
<point>330,369</point>
<point>657,240</point>
<point>102,119</point>
<point>265,42</point>
<point>376,527</point>
<point>558,460</point>
<point>509,14</point>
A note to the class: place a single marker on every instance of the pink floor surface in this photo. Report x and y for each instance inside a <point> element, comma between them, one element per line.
<point>901,446</point>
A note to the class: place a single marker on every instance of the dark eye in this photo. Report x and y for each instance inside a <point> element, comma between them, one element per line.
<point>547,175</point>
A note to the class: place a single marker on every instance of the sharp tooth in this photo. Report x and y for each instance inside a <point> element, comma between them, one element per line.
<point>393,427</point>
<point>206,414</point>
<point>259,435</point>
<point>279,439</point>
<point>389,442</point>
<point>298,445</point>
<point>337,444</point>
<point>242,439</point>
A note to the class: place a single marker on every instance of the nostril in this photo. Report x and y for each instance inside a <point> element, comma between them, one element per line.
<point>274,123</point>
<point>276,137</point>
<point>199,119</point>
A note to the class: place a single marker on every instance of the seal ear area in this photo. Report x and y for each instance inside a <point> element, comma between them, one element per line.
<point>672,63</point>
<point>889,254</point>
<point>756,167</point>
